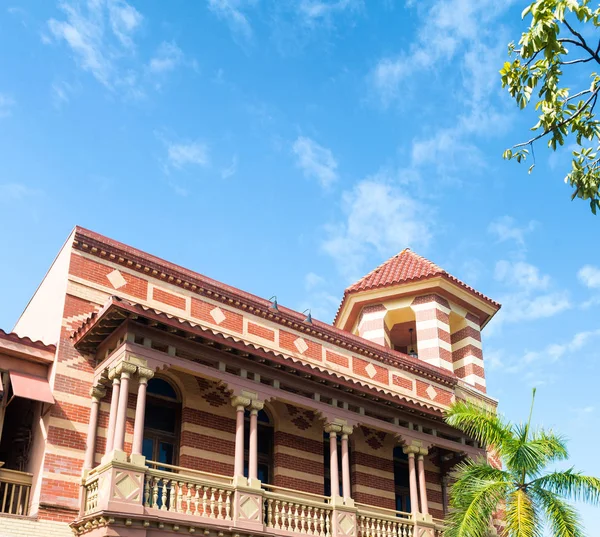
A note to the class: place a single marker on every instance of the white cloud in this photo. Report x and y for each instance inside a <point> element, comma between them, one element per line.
<point>7,104</point>
<point>316,10</point>
<point>506,229</point>
<point>315,160</point>
<point>318,299</point>
<point>312,280</point>
<point>168,57</point>
<point>522,306</point>
<point>231,12</point>
<point>99,35</point>
<point>230,170</point>
<point>188,153</point>
<point>16,192</point>
<point>521,274</point>
<point>589,276</point>
<point>379,221</point>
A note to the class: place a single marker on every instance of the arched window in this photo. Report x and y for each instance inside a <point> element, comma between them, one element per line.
<point>162,422</point>
<point>401,482</point>
<point>265,442</point>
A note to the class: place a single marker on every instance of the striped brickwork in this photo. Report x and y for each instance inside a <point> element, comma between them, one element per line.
<point>432,315</point>
<point>371,325</point>
<point>467,356</point>
<point>372,470</point>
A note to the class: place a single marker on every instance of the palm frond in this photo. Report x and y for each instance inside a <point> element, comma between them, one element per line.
<point>470,517</point>
<point>482,423</point>
<point>529,457</point>
<point>521,517</point>
<point>469,476</point>
<point>561,516</point>
<point>571,484</point>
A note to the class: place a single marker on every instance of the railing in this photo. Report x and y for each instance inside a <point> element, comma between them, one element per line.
<point>293,511</point>
<point>178,490</point>
<point>90,504</point>
<point>380,522</point>
<point>15,488</point>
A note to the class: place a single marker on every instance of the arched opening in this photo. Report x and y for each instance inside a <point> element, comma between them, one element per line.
<point>162,422</point>
<point>265,441</point>
<point>401,480</point>
<point>402,327</point>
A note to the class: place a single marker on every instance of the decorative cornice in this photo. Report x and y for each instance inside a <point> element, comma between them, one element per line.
<point>136,260</point>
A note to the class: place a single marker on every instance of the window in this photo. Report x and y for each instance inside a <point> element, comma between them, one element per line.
<point>265,439</point>
<point>162,422</point>
<point>401,481</point>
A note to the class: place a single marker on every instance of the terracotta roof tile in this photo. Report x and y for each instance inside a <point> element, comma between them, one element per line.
<point>12,336</point>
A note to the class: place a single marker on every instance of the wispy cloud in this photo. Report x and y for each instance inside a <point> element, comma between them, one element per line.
<point>191,153</point>
<point>315,160</point>
<point>521,274</point>
<point>17,192</point>
<point>379,220</point>
<point>7,104</point>
<point>318,299</point>
<point>231,170</point>
<point>231,11</point>
<point>506,229</point>
<point>168,57</point>
<point>99,35</point>
<point>314,11</point>
<point>589,275</point>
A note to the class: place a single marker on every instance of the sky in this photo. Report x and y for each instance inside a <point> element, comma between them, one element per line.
<point>288,148</point>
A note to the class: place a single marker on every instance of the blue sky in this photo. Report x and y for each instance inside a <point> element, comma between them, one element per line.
<point>290,147</point>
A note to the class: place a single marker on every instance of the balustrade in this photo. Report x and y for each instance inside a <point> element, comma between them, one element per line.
<point>15,488</point>
<point>379,522</point>
<point>297,512</point>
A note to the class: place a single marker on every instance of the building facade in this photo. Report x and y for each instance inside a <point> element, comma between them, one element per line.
<point>142,399</point>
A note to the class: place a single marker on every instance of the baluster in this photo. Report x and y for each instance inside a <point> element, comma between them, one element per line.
<point>212,503</point>
<point>378,527</point>
<point>314,518</point>
<point>188,499</point>
<point>302,519</point>
<point>228,505</point>
<point>146,491</point>
<point>196,500</point>
<point>220,504</point>
<point>270,513</point>
<point>284,516</point>
<point>277,514</point>
<point>163,493</point>
<point>173,496</point>
<point>204,500</point>
<point>327,523</point>
<point>179,505</point>
<point>373,528</point>
<point>296,517</point>
<point>154,492</point>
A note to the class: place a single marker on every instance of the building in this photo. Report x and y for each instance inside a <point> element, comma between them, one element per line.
<point>143,399</point>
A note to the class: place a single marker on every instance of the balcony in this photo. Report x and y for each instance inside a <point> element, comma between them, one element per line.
<point>167,497</point>
<point>15,488</point>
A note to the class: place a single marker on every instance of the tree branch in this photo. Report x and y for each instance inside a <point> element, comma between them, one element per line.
<point>583,42</point>
<point>572,62</point>
<point>584,92</point>
<point>563,122</point>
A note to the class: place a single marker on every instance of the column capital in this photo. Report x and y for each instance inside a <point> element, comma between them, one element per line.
<point>125,369</point>
<point>411,450</point>
<point>112,375</point>
<point>256,405</point>
<point>347,430</point>
<point>144,373</point>
<point>333,428</point>
<point>423,452</point>
<point>97,392</point>
<point>240,401</point>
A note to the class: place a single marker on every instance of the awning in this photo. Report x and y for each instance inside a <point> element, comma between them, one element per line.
<point>30,387</point>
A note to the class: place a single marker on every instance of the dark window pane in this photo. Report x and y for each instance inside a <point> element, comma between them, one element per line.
<point>161,387</point>
<point>160,417</point>
<point>165,452</point>
<point>148,449</point>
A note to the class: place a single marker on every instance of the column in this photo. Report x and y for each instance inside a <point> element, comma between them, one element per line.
<point>255,407</point>
<point>333,459</point>
<point>412,477</point>
<point>125,370</point>
<point>240,403</point>
<point>422,482</point>
<point>445,494</point>
<point>114,403</point>
<point>346,430</point>
<point>144,375</point>
<point>97,393</point>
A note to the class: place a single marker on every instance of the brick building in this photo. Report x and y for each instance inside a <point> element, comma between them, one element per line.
<point>142,399</point>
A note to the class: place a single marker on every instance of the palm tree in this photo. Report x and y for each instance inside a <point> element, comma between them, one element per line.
<point>523,488</point>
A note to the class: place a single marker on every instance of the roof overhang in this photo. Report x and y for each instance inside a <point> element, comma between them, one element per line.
<point>24,348</point>
<point>442,285</point>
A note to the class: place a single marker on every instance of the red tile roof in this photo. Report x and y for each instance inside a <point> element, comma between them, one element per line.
<point>12,336</point>
<point>403,268</point>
